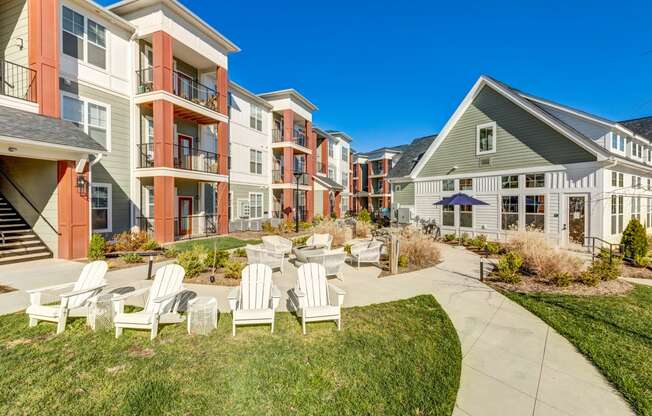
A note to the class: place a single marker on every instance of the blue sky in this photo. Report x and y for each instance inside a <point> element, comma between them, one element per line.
<point>389,71</point>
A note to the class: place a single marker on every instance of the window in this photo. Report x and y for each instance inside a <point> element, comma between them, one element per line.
<point>617,179</point>
<point>331,148</point>
<point>509,212</point>
<point>466,216</point>
<point>255,161</point>
<point>345,180</point>
<point>90,116</point>
<point>256,205</point>
<point>86,42</point>
<point>637,150</point>
<point>535,212</point>
<point>466,184</point>
<point>448,215</point>
<point>535,180</point>
<point>636,181</point>
<point>648,223</point>
<point>331,173</point>
<point>345,204</point>
<point>243,208</point>
<point>448,185</point>
<point>509,182</point>
<point>101,207</point>
<point>256,117</point>
<point>649,185</point>
<point>616,214</point>
<point>636,207</point>
<point>486,138</point>
<point>345,154</point>
<point>617,143</point>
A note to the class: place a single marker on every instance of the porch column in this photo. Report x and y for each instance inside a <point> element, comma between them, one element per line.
<point>324,156</point>
<point>311,168</point>
<point>338,204</point>
<point>222,77</point>
<point>163,61</point>
<point>43,53</point>
<point>222,195</point>
<point>163,133</point>
<point>73,212</point>
<point>164,198</point>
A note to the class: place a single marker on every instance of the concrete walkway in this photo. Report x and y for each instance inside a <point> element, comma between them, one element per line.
<point>513,363</point>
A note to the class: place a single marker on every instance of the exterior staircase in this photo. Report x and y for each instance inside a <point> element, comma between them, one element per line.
<point>18,242</point>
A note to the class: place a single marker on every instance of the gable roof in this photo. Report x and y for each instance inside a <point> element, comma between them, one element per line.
<point>289,93</point>
<point>378,153</point>
<point>641,126</point>
<point>328,182</point>
<point>411,155</point>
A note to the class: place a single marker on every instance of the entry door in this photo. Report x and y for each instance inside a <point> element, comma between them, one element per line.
<point>576,218</point>
<point>185,212</point>
<point>185,152</point>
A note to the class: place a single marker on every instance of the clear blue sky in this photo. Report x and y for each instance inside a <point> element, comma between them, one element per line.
<point>389,71</point>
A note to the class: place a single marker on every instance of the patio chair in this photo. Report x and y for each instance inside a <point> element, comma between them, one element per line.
<point>277,244</point>
<point>320,240</point>
<point>72,304</point>
<point>332,262</point>
<point>367,252</point>
<point>314,299</point>
<point>161,305</point>
<point>256,299</point>
<point>302,253</point>
<point>261,255</point>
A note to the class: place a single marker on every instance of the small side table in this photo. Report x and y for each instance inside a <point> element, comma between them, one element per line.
<point>100,312</point>
<point>202,315</point>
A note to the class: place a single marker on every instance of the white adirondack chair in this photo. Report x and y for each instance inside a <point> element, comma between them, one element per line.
<point>74,303</point>
<point>256,300</point>
<point>261,255</point>
<point>314,298</point>
<point>161,306</point>
<point>366,252</point>
<point>320,240</point>
<point>277,244</point>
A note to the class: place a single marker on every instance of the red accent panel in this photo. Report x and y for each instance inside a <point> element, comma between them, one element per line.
<point>288,125</point>
<point>327,205</point>
<point>223,148</point>
<point>310,205</point>
<point>311,168</point>
<point>222,204</point>
<point>73,213</point>
<point>324,156</point>
<point>338,204</point>
<point>288,202</point>
<point>163,132</point>
<point>222,77</point>
<point>43,54</point>
<point>164,208</point>
<point>288,165</point>
<point>163,57</point>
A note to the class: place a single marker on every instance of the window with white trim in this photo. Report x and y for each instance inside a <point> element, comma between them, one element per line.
<point>636,207</point>
<point>448,185</point>
<point>617,179</point>
<point>256,117</point>
<point>83,38</point>
<point>637,150</point>
<point>466,184</point>
<point>648,222</point>
<point>617,143</point>
<point>331,148</point>
<point>331,173</point>
<point>448,215</point>
<point>466,216</point>
<point>535,180</point>
<point>509,182</point>
<point>345,204</point>
<point>509,211</point>
<point>255,161</point>
<point>90,116</point>
<point>256,205</point>
<point>345,180</point>
<point>345,154</point>
<point>485,138</point>
<point>101,207</point>
<point>636,181</point>
<point>243,208</point>
<point>616,214</point>
<point>535,211</point>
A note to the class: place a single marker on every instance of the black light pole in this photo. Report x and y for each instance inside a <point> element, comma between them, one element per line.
<point>297,175</point>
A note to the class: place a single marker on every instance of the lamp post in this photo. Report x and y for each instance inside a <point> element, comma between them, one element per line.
<point>297,176</point>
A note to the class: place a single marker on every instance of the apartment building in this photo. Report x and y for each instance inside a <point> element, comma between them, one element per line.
<point>371,190</point>
<point>124,118</point>
<point>537,164</point>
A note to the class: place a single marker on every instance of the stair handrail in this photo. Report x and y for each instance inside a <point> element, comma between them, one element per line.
<point>22,194</point>
<point>592,241</point>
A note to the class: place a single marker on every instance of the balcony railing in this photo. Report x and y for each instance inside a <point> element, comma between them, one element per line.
<point>185,227</point>
<point>185,157</point>
<point>182,86</point>
<point>376,170</point>
<point>302,212</point>
<point>299,137</point>
<point>17,81</point>
<point>277,177</point>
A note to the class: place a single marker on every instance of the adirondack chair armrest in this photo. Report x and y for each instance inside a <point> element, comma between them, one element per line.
<point>339,294</point>
<point>301,297</point>
<point>169,296</point>
<point>127,295</point>
<point>234,294</point>
<point>65,297</point>
<point>276,297</point>
<point>35,295</point>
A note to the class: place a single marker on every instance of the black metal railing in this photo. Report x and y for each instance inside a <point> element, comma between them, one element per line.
<point>146,155</point>
<point>277,176</point>
<point>193,226</point>
<point>613,249</point>
<point>182,86</point>
<point>298,137</point>
<point>185,157</point>
<point>146,225</point>
<point>17,81</point>
<point>145,80</point>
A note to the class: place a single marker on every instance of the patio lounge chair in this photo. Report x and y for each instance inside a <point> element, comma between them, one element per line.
<point>302,253</point>
<point>74,303</point>
<point>256,300</point>
<point>314,299</point>
<point>161,306</point>
<point>367,252</point>
<point>261,255</point>
<point>277,244</point>
<point>332,262</point>
<point>320,240</point>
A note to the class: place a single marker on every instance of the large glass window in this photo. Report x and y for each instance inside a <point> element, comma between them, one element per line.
<point>448,215</point>
<point>648,222</point>
<point>509,212</point>
<point>616,214</point>
<point>256,205</point>
<point>466,184</point>
<point>466,216</point>
<point>101,207</point>
<point>91,117</point>
<point>96,45</point>
<point>535,180</point>
<point>617,179</point>
<point>72,109</point>
<point>345,154</point>
<point>83,39</point>
<point>448,185</point>
<point>255,161</point>
<point>256,117</point>
<point>509,182</point>
<point>636,207</point>
<point>331,148</point>
<point>617,142</point>
<point>535,212</point>
<point>73,34</point>
<point>97,124</point>
<point>486,138</point>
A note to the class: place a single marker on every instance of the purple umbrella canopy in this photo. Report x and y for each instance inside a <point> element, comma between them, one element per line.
<point>460,199</point>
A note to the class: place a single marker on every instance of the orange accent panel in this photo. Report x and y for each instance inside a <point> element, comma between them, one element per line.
<point>222,78</point>
<point>222,205</point>
<point>288,165</point>
<point>163,58</point>
<point>288,202</point>
<point>324,156</point>
<point>43,54</point>
<point>73,213</point>
<point>164,208</point>
<point>327,205</point>
<point>288,125</point>
<point>163,132</point>
<point>310,205</point>
<point>338,204</point>
<point>223,147</point>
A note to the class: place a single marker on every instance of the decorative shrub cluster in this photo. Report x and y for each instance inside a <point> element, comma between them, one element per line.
<point>509,266</point>
<point>97,248</point>
<point>198,260</point>
<point>362,229</point>
<point>131,258</point>
<point>419,249</point>
<point>364,216</point>
<point>331,227</point>
<point>634,241</point>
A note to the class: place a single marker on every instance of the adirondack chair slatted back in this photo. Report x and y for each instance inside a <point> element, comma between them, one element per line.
<point>253,255</point>
<point>92,275</point>
<point>256,287</point>
<point>168,279</point>
<point>312,282</point>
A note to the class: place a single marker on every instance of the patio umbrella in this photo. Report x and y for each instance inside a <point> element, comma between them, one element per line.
<point>460,199</point>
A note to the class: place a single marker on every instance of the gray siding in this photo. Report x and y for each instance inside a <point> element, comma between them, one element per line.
<point>406,194</point>
<point>522,140</point>
<point>319,203</point>
<point>241,191</point>
<point>14,25</point>
<point>115,167</point>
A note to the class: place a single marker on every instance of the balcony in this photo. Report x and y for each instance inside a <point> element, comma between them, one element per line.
<point>302,212</point>
<point>277,177</point>
<point>185,227</point>
<point>17,81</point>
<point>185,157</point>
<point>299,138</point>
<point>182,86</point>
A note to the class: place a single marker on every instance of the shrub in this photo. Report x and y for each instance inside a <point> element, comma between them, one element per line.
<point>464,238</point>
<point>634,240</point>
<point>317,219</point>
<point>268,228</point>
<point>128,241</point>
<point>170,252</point>
<point>449,237</point>
<point>562,279</point>
<point>402,261</point>
<point>419,249</point>
<point>131,258</point>
<point>478,241</point>
<point>601,269</point>
<point>492,248</point>
<point>303,225</point>
<point>216,258</point>
<point>300,241</point>
<point>364,216</point>
<point>333,215</point>
<point>193,261</point>
<point>149,245</point>
<point>240,252</point>
<point>233,269</point>
<point>330,227</point>
<point>508,267</point>
<point>362,229</point>
<point>347,248</point>
<point>542,259</point>
<point>641,261</point>
<point>588,278</point>
<point>97,248</point>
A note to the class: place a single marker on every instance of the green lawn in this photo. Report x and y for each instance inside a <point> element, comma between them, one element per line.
<point>615,332</point>
<point>221,243</point>
<point>398,358</point>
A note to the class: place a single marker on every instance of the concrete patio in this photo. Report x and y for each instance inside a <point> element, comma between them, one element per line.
<point>513,363</point>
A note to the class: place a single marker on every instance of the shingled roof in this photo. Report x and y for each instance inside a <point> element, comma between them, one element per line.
<point>411,155</point>
<point>641,126</point>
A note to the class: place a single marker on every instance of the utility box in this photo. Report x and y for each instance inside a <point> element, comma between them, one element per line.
<point>404,216</point>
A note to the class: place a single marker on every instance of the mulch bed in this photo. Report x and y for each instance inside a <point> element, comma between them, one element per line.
<point>6,289</point>
<point>539,285</point>
<point>402,270</point>
<point>204,278</point>
<point>636,272</point>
